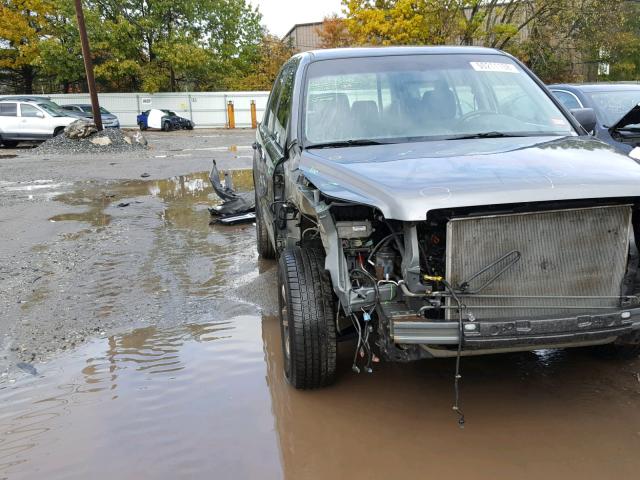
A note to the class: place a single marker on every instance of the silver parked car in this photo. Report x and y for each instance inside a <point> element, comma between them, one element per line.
<point>440,202</point>
<point>109,120</point>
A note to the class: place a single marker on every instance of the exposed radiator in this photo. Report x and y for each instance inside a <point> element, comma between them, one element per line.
<point>577,252</point>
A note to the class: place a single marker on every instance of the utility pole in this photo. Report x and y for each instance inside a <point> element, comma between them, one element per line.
<point>88,66</point>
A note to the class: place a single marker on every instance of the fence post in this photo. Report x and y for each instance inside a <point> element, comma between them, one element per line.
<point>231,115</point>
<point>190,108</point>
<point>254,117</point>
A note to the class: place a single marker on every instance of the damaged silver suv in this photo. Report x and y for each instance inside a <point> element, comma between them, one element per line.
<point>440,202</point>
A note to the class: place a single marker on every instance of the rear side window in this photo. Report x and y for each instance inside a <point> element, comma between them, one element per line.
<point>8,109</point>
<point>283,113</point>
<point>29,111</point>
<point>567,99</point>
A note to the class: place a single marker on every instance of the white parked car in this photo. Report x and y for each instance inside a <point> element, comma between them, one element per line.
<point>29,121</point>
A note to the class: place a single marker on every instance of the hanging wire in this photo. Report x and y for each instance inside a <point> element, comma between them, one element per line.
<point>457,376</point>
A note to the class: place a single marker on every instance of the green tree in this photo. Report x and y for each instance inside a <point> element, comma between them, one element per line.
<point>174,43</point>
<point>23,24</point>
<point>266,62</point>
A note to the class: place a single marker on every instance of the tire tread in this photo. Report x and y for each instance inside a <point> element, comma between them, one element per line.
<point>313,353</point>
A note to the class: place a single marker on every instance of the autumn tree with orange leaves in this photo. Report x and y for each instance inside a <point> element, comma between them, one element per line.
<point>334,33</point>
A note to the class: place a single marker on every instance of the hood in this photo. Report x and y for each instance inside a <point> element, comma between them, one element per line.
<point>632,117</point>
<point>405,181</point>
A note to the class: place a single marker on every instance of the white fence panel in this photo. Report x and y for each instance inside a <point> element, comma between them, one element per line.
<point>205,109</point>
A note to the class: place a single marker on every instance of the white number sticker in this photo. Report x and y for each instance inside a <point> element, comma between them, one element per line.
<point>494,67</point>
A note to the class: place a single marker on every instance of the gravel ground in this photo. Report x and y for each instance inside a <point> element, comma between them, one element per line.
<point>75,265</point>
<point>64,145</point>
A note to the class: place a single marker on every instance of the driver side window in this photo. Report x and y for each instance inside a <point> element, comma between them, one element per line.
<point>283,112</point>
<point>269,117</point>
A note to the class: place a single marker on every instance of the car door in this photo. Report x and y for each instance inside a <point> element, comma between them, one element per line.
<point>9,126</point>
<point>34,123</point>
<point>271,145</point>
<point>263,159</point>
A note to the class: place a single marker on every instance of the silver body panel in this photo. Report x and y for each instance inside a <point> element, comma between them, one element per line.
<point>406,181</point>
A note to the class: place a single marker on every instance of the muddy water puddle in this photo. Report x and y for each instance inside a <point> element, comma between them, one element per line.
<point>198,391</point>
<point>209,400</point>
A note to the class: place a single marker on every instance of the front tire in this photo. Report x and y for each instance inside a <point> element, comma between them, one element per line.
<point>142,126</point>
<point>166,126</point>
<point>307,323</point>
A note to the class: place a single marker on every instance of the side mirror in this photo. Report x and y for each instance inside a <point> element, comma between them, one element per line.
<point>40,115</point>
<point>586,117</point>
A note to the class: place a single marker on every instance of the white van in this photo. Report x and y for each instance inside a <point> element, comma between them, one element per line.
<point>29,121</point>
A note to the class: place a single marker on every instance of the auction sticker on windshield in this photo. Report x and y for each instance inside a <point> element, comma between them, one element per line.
<point>493,67</point>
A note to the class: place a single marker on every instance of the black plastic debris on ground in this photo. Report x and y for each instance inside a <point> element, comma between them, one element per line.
<point>236,207</point>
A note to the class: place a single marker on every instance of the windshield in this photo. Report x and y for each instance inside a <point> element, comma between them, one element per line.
<point>52,109</point>
<point>88,109</point>
<point>424,97</point>
<point>613,105</point>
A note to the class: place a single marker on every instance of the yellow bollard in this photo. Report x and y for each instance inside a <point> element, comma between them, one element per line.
<point>254,116</point>
<point>231,115</point>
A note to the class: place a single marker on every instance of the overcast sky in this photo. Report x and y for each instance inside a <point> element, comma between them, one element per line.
<point>280,15</point>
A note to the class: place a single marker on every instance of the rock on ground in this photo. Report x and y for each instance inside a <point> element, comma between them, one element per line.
<point>102,141</point>
<point>80,129</point>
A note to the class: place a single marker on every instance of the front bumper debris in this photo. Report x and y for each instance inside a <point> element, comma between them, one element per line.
<point>412,329</point>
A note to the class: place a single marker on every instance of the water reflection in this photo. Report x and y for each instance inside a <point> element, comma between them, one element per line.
<point>158,249</point>
<point>156,403</point>
<point>201,398</point>
<point>552,414</point>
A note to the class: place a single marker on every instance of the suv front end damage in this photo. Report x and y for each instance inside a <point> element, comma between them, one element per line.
<point>435,202</point>
<point>495,278</point>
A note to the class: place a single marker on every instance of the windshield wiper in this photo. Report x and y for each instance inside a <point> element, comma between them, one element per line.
<point>348,143</point>
<point>485,135</point>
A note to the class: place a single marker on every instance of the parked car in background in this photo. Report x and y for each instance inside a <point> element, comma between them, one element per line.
<point>163,119</point>
<point>616,106</point>
<point>439,202</point>
<point>41,100</point>
<point>30,120</point>
<point>109,120</point>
